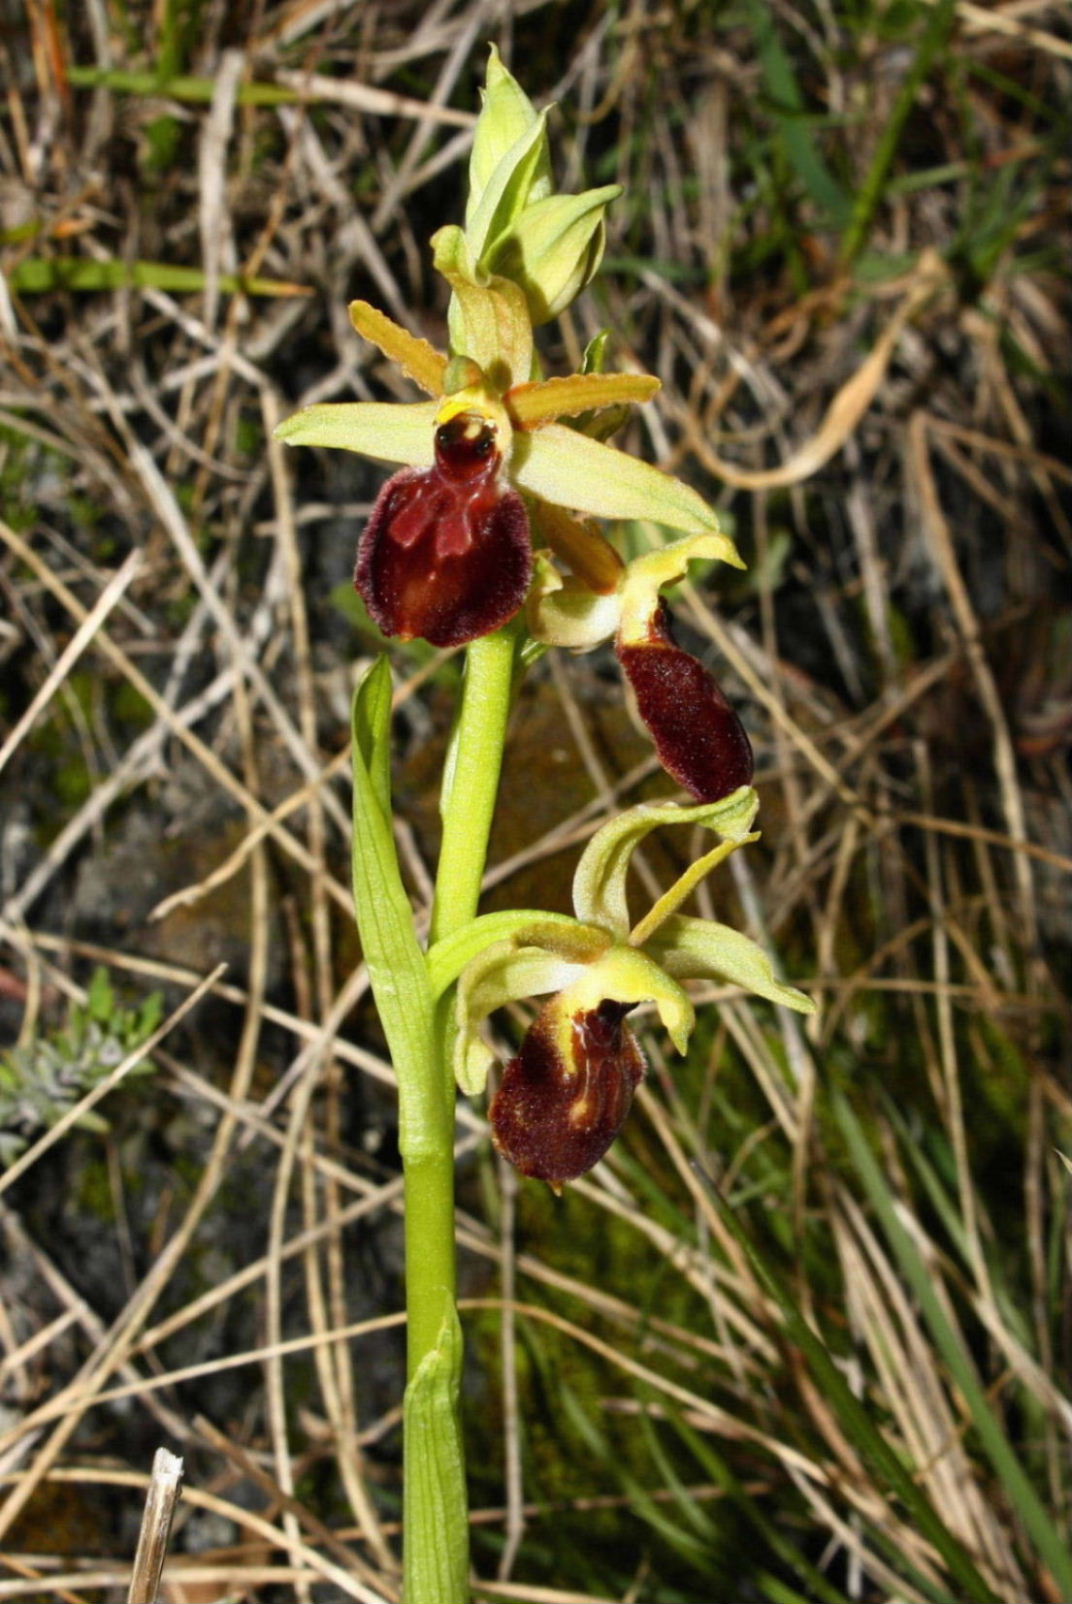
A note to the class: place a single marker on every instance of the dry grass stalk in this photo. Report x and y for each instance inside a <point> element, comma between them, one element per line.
<point>165,1483</point>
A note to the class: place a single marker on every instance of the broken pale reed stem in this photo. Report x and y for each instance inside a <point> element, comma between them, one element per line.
<point>160,1501</point>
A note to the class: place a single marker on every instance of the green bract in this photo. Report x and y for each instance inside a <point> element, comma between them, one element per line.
<point>550,245</point>
<point>554,248</point>
<point>501,160</point>
<point>489,319</point>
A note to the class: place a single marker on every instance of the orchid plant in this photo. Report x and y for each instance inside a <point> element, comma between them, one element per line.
<point>484,539</point>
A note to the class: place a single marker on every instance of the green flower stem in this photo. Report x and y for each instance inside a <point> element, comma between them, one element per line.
<point>435,1547</point>
<point>472,781</point>
<point>469,792</point>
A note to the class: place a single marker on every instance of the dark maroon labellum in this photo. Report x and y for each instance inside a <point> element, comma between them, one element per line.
<point>446,553</point>
<point>698,737</point>
<point>555,1120</point>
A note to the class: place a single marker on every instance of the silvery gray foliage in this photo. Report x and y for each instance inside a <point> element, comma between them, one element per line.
<point>40,1082</point>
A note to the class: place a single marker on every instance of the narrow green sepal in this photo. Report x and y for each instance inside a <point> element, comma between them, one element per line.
<point>599,884</point>
<point>435,1512</point>
<point>448,957</point>
<point>386,430</point>
<point>503,974</point>
<point>699,949</point>
<point>545,956</point>
<point>571,470</point>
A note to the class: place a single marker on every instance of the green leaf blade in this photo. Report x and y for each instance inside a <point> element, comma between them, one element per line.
<point>396,965</point>
<point>436,1514</point>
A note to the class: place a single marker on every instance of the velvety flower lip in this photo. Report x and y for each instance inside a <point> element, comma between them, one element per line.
<point>446,552</point>
<point>699,739</point>
<point>565,1097</point>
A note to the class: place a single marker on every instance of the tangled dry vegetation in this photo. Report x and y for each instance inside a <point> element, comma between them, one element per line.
<point>807,1335</point>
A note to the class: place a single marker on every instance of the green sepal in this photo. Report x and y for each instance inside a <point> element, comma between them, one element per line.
<point>570,469</point>
<point>506,116</point>
<point>699,949</point>
<point>396,965</point>
<point>435,1511</point>
<point>446,960</point>
<point>553,249</point>
<point>599,884</point>
<point>386,430</point>
<point>503,974</point>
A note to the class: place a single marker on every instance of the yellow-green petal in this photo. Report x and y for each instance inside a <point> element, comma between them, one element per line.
<point>546,399</point>
<point>425,365</point>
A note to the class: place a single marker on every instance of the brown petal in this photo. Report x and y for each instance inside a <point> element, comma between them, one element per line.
<point>556,1116</point>
<point>700,741</point>
<point>446,553</point>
